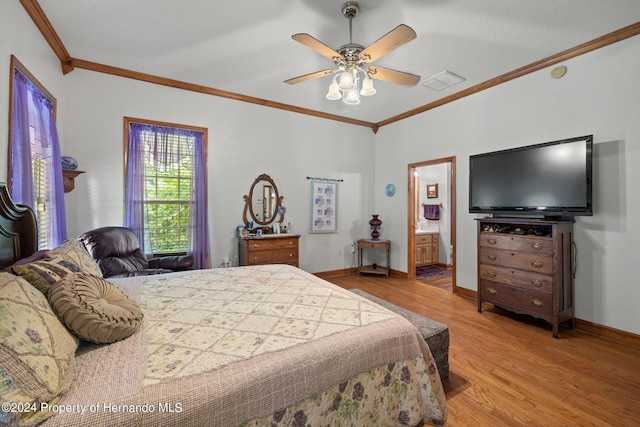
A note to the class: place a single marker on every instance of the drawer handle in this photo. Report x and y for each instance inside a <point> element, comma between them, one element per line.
<point>536,283</point>
<point>537,264</point>
<point>492,257</point>
<point>492,241</point>
<point>492,291</point>
<point>491,274</point>
<point>536,302</point>
<point>537,245</point>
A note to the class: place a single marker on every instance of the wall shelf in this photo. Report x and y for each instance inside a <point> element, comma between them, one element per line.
<point>68,178</point>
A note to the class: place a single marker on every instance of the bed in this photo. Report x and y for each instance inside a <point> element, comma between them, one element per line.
<point>265,345</point>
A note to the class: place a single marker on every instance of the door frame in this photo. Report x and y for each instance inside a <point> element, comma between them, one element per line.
<point>411,209</point>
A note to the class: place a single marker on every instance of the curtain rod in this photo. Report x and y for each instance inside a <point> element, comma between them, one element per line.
<point>325,179</point>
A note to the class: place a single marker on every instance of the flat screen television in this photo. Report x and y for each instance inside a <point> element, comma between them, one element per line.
<point>542,180</point>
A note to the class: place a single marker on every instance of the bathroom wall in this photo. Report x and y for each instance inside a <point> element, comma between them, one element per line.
<point>437,174</point>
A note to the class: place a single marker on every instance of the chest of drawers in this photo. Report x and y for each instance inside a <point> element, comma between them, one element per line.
<point>526,266</point>
<point>270,249</point>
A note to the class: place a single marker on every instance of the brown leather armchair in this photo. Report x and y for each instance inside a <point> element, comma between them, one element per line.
<point>118,254</point>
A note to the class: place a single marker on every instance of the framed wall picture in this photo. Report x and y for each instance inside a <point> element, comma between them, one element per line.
<point>324,206</point>
<point>432,191</point>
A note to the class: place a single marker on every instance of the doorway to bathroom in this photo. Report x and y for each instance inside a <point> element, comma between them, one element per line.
<point>431,219</point>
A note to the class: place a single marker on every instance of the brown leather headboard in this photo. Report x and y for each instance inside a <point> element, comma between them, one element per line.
<point>18,230</point>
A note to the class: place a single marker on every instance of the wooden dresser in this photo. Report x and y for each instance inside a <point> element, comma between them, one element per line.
<point>526,266</point>
<point>427,249</point>
<point>269,249</point>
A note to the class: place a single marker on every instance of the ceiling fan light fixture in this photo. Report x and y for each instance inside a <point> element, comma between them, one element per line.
<point>352,59</point>
<point>346,80</point>
<point>367,86</point>
<point>334,91</point>
<point>352,97</point>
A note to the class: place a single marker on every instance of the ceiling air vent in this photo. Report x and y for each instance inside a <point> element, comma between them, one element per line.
<point>443,80</point>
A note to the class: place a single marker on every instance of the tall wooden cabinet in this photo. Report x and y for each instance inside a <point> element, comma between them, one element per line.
<point>269,249</point>
<point>526,266</point>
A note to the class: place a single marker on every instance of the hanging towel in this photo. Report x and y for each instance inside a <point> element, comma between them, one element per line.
<point>431,212</point>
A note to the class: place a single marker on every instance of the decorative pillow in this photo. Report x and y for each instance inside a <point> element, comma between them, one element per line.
<point>74,251</point>
<point>36,350</point>
<point>94,309</point>
<point>44,273</point>
<point>36,256</point>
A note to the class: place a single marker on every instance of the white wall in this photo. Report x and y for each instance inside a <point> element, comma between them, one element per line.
<point>245,140</point>
<point>20,37</point>
<point>599,96</point>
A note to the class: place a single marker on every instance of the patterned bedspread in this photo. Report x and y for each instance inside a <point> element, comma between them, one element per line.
<point>262,346</point>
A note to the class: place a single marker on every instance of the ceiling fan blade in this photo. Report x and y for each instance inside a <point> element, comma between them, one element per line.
<point>310,76</point>
<point>392,76</point>
<point>392,40</point>
<point>318,46</point>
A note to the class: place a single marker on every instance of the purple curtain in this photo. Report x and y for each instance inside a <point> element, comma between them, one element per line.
<point>199,236</point>
<point>33,110</point>
<point>21,175</point>
<point>162,155</point>
<point>134,216</point>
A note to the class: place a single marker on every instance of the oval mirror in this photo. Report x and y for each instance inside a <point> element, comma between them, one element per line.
<point>263,201</point>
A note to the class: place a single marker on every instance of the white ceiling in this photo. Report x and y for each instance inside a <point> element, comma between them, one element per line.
<point>245,47</point>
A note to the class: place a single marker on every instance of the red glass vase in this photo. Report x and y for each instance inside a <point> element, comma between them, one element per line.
<point>375,224</point>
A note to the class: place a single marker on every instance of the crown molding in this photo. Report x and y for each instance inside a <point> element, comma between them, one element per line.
<point>68,64</point>
<point>41,21</point>
<point>606,40</point>
<point>178,84</point>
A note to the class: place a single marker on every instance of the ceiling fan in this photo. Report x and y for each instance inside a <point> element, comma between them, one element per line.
<point>352,60</point>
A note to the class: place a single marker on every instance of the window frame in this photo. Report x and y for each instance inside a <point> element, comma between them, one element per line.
<point>127,125</point>
<point>15,64</point>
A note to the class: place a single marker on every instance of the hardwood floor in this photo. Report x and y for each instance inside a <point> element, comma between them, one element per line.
<point>507,370</point>
<point>442,282</point>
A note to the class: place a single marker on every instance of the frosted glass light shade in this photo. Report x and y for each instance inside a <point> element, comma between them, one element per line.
<point>334,91</point>
<point>352,97</point>
<point>367,87</point>
<point>346,80</point>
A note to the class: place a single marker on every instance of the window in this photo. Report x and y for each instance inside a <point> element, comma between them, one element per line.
<point>166,203</point>
<point>35,168</point>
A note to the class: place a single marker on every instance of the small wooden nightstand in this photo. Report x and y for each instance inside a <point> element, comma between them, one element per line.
<point>382,270</point>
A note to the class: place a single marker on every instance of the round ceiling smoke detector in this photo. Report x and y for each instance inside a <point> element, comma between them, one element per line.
<point>558,72</point>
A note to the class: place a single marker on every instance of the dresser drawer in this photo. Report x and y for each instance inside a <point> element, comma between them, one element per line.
<point>267,243</point>
<point>276,256</point>
<point>268,250</point>
<point>543,245</point>
<point>424,238</point>
<point>519,300</point>
<point>519,278</point>
<point>539,263</point>
<point>371,244</point>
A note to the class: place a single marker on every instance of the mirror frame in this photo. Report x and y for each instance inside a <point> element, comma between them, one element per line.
<point>248,205</point>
